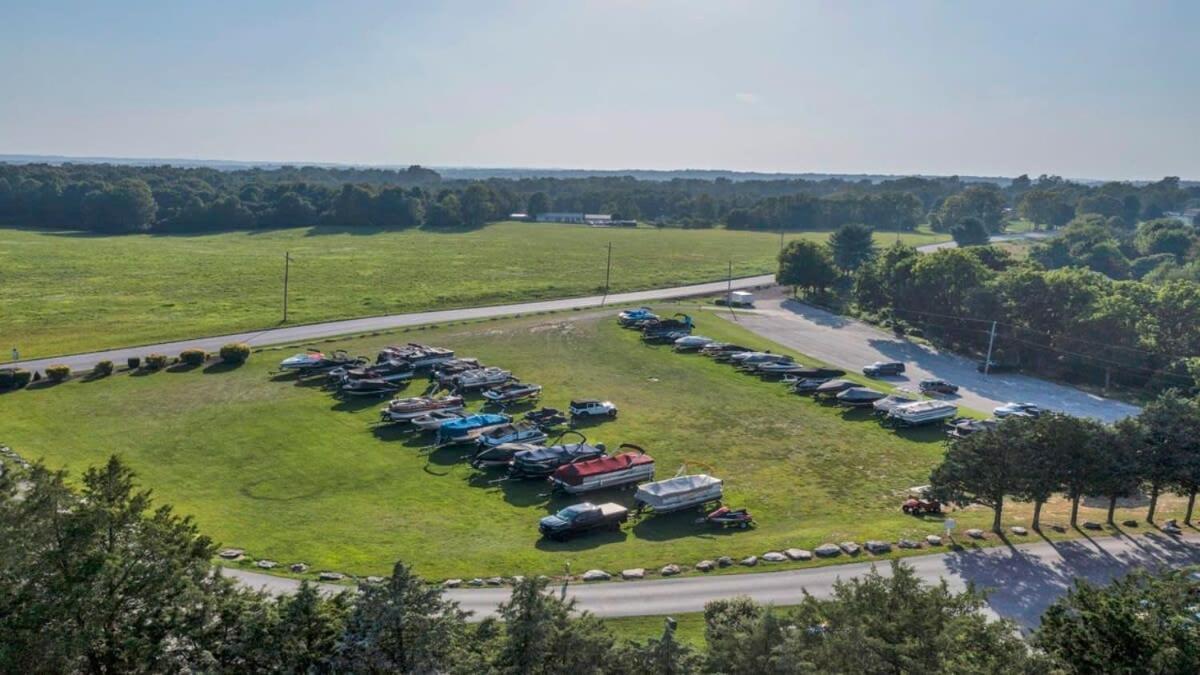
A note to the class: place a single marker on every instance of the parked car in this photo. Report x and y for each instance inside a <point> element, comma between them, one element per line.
<point>1017,410</point>
<point>883,369</point>
<point>937,387</point>
<point>585,408</point>
<point>581,518</point>
<point>995,367</point>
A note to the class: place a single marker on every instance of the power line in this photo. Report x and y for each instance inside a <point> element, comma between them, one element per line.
<point>1045,333</point>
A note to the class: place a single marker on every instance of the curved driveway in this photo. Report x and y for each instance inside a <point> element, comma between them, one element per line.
<point>850,344</point>
<point>1021,580</point>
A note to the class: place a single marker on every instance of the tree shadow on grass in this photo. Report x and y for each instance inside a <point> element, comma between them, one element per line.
<point>668,526</point>
<point>44,383</point>
<point>222,367</point>
<point>582,542</point>
<point>355,403</point>
<point>182,367</point>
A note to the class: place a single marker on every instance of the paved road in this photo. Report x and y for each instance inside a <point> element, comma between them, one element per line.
<point>851,344</point>
<point>994,239</point>
<point>1022,580</point>
<point>303,333</point>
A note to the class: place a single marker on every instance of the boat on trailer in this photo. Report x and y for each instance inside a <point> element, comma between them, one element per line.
<point>859,397</point>
<point>408,409</point>
<point>515,432</point>
<point>469,428</point>
<point>679,493</point>
<point>433,420</point>
<point>919,413</point>
<point>512,392</point>
<point>887,404</point>
<point>622,469</point>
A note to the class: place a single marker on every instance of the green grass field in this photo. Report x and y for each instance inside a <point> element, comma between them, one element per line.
<point>64,292</point>
<point>290,473</point>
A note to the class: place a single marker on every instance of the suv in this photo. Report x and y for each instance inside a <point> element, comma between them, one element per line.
<point>883,369</point>
<point>592,408</point>
<point>995,367</point>
<point>937,387</point>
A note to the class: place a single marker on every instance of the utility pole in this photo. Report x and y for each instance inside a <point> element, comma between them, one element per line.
<point>729,291</point>
<point>987,364</point>
<point>287,264</point>
<point>607,274</point>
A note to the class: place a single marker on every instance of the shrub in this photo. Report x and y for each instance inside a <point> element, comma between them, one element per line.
<point>156,362</point>
<point>133,362</point>
<point>235,352</point>
<point>192,357</point>
<point>102,369</point>
<point>58,372</point>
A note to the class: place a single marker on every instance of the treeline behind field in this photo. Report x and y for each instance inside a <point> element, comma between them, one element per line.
<point>125,198</point>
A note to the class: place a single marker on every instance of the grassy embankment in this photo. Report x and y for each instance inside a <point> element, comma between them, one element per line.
<point>64,292</point>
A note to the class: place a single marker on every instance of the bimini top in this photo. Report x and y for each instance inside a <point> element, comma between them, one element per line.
<point>680,485</point>
<point>574,474</point>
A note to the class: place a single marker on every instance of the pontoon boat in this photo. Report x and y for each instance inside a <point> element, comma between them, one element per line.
<point>606,472</point>
<point>681,492</point>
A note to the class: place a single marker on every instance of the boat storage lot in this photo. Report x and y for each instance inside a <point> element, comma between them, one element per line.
<point>851,344</point>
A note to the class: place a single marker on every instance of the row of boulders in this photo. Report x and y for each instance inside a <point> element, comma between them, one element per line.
<point>237,554</point>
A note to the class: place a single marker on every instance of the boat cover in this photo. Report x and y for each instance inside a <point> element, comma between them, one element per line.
<point>835,386</point>
<point>658,491</point>
<point>859,394</point>
<point>890,403</point>
<point>918,408</point>
<point>558,453</point>
<point>574,474</point>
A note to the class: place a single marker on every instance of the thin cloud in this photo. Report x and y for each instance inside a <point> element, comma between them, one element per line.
<point>747,97</point>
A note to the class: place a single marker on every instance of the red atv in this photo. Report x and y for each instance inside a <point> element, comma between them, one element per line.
<point>914,506</point>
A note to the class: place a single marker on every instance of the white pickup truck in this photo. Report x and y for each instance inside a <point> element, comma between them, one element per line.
<point>593,408</point>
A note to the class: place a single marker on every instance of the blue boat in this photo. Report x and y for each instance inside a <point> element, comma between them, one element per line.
<point>465,428</point>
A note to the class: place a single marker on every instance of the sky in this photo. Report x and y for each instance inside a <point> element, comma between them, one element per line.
<point>1080,89</point>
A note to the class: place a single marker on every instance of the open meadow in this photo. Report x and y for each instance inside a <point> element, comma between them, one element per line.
<point>66,292</point>
<point>284,470</point>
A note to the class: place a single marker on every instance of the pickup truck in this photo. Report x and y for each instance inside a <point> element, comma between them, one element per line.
<point>582,518</point>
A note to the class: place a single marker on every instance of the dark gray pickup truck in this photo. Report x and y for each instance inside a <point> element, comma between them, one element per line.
<point>581,518</point>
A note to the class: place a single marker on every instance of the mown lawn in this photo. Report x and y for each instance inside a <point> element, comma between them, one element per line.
<point>289,473</point>
<point>689,628</point>
<point>64,292</point>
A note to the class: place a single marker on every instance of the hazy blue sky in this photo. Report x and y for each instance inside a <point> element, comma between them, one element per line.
<point>1084,89</point>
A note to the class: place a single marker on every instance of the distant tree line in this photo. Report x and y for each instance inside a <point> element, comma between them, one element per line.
<point>125,198</point>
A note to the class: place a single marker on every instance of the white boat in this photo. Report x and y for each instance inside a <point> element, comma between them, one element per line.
<point>754,358</point>
<point>681,492</point>
<point>923,412</point>
<point>434,419</point>
<point>605,472</point>
<point>408,409</point>
<point>481,378</point>
<point>887,404</point>
<point>690,343</point>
